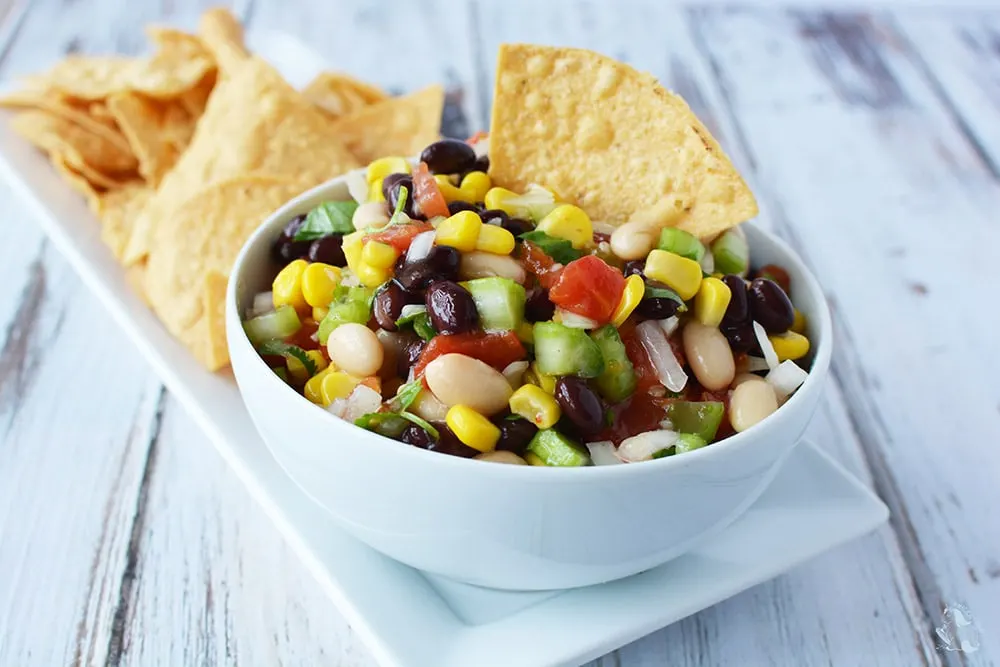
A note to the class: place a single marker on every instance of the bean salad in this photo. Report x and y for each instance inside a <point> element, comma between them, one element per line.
<point>440,310</point>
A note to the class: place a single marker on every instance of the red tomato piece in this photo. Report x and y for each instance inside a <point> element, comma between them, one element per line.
<point>589,287</point>
<point>539,263</point>
<point>496,349</point>
<point>427,194</point>
<point>400,236</point>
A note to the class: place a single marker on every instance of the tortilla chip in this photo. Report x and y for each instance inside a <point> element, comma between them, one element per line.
<point>255,123</point>
<point>216,348</point>
<point>398,126</point>
<point>57,104</point>
<point>135,276</point>
<point>157,131</point>
<point>117,209</point>
<point>223,36</point>
<point>81,148</point>
<point>609,139</point>
<point>195,100</point>
<point>76,180</point>
<point>341,95</point>
<point>206,234</point>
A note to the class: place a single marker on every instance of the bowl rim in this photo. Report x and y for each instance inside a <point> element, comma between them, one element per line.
<point>529,473</point>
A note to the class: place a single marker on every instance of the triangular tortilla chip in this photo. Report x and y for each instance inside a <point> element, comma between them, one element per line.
<point>216,354</point>
<point>609,139</point>
<point>157,131</point>
<point>399,126</point>
<point>81,148</point>
<point>222,34</point>
<point>55,103</point>
<point>117,209</point>
<point>341,95</point>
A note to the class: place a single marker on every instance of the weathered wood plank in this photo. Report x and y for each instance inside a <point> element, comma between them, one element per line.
<point>860,165</point>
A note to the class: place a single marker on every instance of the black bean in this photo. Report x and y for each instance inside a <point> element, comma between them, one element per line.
<point>390,190</point>
<point>329,250</point>
<point>451,308</point>
<point>515,434</point>
<point>580,405</point>
<point>770,306</point>
<point>412,349</point>
<point>517,226</point>
<point>739,309</point>
<point>440,264</point>
<point>657,308</point>
<point>538,307</point>
<point>285,248</point>
<point>448,156</point>
<point>482,164</point>
<point>416,436</point>
<point>389,304</point>
<point>740,336</point>
<point>635,267</point>
<point>448,443</point>
<point>494,216</point>
<point>456,206</point>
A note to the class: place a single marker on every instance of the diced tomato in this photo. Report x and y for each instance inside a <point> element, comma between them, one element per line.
<point>304,336</point>
<point>427,195</point>
<point>496,349</point>
<point>400,236</point>
<point>589,287</point>
<point>539,263</point>
<point>644,371</point>
<point>373,382</point>
<point>640,413</point>
<point>778,275</point>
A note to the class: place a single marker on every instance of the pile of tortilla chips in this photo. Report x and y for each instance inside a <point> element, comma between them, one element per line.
<point>182,154</point>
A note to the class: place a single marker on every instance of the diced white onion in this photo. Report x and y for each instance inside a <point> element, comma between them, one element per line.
<point>770,356</point>
<point>669,325</point>
<point>515,373</point>
<point>661,355</point>
<point>603,453</point>
<point>337,407</point>
<point>642,447</point>
<point>357,185</point>
<point>481,147</point>
<point>786,378</point>
<point>602,227</point>
<point>575,321</point>
<point>411,309</point>
<point>362,400</point>
<point>536,200</point>
<point>755,364</point>
<point>263,302</point>
<point>349,279</point>
<point>420,247</point>
<point>708,262</point>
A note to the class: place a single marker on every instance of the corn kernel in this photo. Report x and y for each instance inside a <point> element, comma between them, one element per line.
<point>334,385</point>
<point>460,231</point>
<point>319,313</point>
<point>450,192</point>
<point>799,323</point>
<point>472,428</point>
<point>495,239</point>
<point>371,276</point>
<point>536,377</point>
<point>297,371</point>
<point>476,184</point>
<point>569,222</point>
<point>711,301</point>
<point>635,288</point>
<point>311,390</point>
<point>379,255</point>
<point>287,287</point>
<point>384,166</point>
<point>533,459</point>
<point>789,345</point>
<point>680,274</point>
<point>375,193</point>
<point>538,407</point>
<point>497,198</point>
<point>352,246</point>
<point>318,282</point>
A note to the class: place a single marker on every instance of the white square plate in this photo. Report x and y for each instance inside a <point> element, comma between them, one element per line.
<point>409,619</point>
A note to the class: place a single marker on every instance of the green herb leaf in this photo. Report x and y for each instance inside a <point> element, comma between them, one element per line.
<point>560,250</point>
<point>287,350</point>
<point>388,424</point>
<point>664,293</point>
<point>421,422</point>
<point>422,326</point>
<point>397,215</point>
<point>406,395</point>
<point>330,217</point>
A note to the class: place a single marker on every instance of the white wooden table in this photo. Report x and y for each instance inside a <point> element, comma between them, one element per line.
<point>873,142</point>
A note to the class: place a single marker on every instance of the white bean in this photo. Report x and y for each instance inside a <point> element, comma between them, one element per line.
<point>460,380</point>
<point>709,355</point>
<point>427,406</point>
<point>371,214</point>
<point>745,377</point>
<point>634,240</point>
<point>354,348</point>
<point>502,456</point>
<point>487,264</point>
<point>750,403</point>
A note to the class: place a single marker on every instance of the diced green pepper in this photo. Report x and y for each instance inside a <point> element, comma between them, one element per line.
<point>681,243</point>
<point>618,380</point>
<point>697,418</point>
<point>562,350</point>
<point>731,253</point>
<point>499,301</point>
<point>281,323</point>
<point>350,304</point>
<point>555,449</point>
<point>687,442</point>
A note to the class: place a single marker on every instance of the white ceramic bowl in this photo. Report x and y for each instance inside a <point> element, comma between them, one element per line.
<point>514,527</point>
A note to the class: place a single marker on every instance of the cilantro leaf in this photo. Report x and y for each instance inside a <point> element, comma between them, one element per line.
<point>560,250</point>
<point>397,215</point>
<point>422,326</point>
<point>421,422</point>
<point>288,351</point>
<point>664,293</point>
<point>389,424</point>
<point>330,217</point>
<point>407,394</point>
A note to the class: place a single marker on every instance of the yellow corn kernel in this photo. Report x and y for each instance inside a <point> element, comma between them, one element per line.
<point>680,274</point>
<point>789,345</point>
<point>495,239</point>
<point>334,385</point>
<point>384,166</point>
<point>711,301</point>
<point>476,184</point>
<point>375,193</point>
<point>635,288</point>
<point>352,246</point>
<point>497,198</point>
<point>287,287</point>
<point>472,428</point>
<point>311,390</point>
<point>799,323</point>
<point>318,282</point>
<point>297,371</point>
<point>371,276</point>
<point>450,192</point>
<point>536,377</point>
<point>526,333</point>
<point>379,255</point>
<point>533,459</point>
<point>460,231</point>
<point>569,222</point>
<point>319,313</point>
<point>538,407</point>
